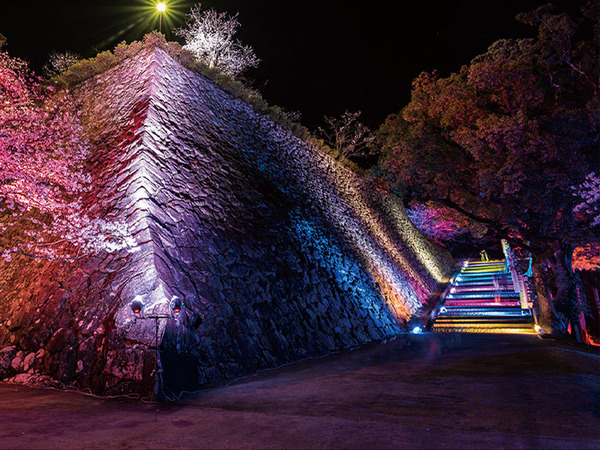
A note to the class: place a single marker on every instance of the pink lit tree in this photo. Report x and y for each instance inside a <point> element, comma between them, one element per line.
<point>444,225</point>
<point>42,179</point>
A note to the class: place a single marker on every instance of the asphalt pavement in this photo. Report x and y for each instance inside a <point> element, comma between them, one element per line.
<point>415,391</point>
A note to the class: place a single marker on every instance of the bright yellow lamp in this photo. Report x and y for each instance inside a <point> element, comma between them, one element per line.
<point>161,7</point>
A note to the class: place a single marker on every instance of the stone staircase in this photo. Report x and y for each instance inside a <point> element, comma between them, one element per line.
<point>483,299</point>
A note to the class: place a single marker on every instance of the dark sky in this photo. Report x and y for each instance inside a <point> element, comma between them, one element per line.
<point>318,57</point>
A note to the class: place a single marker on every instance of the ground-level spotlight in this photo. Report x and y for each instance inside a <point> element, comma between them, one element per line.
<point>539,330</point>
<point>417,330</point>
<point>176,305</point>
<point>136,307</point>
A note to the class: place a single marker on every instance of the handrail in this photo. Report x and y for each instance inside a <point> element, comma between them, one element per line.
<point>520,282</point>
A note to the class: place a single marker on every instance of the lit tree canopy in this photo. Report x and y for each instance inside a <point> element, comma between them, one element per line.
<point>346,134</point>
<point>209,35</point>
<point>505,140</point>
<point>58,63</point>
<point>43,149</point>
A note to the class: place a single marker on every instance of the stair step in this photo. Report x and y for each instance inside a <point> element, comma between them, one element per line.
<point>482,267</point>
<point>484,312</point>
<point>482,272</point>
<point>482,295</point>
<point>466,321</point>
<point>473,267</point>
<point>481,276</point>
<point>476,307</point>
<point>479,281</point>
<point>488,304</point>
<point>479,288</point>
<point>484,329</point>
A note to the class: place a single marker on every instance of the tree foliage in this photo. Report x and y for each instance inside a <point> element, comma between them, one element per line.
<point>209,35</point>
<point>59,62</point>
<point>504,141</point>
<point>444,225</point>
<point>43,149</point>
<point>346,135</point>
<point>588,196</point>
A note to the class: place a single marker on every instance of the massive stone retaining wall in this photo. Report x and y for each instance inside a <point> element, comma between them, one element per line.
<point>276,251</point>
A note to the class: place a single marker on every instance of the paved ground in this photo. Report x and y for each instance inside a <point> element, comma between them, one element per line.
<point>426,391</point>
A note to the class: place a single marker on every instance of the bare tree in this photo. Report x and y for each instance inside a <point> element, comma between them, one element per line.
<point>59,62</point>
<point>209,36</point>
<point>346,135</point>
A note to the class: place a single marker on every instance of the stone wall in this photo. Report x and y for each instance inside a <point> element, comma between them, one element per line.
<point>276,251</point>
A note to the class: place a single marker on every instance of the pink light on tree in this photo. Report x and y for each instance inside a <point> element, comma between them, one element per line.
<point>42,153</point>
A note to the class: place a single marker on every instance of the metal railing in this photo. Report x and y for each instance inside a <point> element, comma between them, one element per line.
<point>521,281</point>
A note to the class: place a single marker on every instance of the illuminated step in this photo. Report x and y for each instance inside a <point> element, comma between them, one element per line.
<point>490,261</point>
<point>479,312</point>
<point>494,330</point>
<point>481,280</point>
<point>494,299</point>
<point>483,266</point>
<point>476,289</point>
<point>474,263</point>
<point>491,269</point>
<point>505,282</point>
<point>480,287</point>
<point>482,295</point>
<point>486,273</point>
<point>482,304</point>
<point>482,320</point>
<point>481,276</point>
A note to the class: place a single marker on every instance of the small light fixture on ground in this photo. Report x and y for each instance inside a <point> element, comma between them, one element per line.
<point>417,330</point>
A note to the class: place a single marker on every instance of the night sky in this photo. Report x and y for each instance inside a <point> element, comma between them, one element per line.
<point>318,57</point>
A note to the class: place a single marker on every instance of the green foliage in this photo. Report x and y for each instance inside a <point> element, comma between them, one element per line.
<point>505,141</point>
<point>104,61</point>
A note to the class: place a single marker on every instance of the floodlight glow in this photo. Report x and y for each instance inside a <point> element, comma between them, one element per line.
<point>161,7</point>
<point>136,306</point>
<point>176,305</point>
<point>417,330</point>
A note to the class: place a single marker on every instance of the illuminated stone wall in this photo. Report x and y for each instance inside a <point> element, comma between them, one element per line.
<point>277,251</point>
